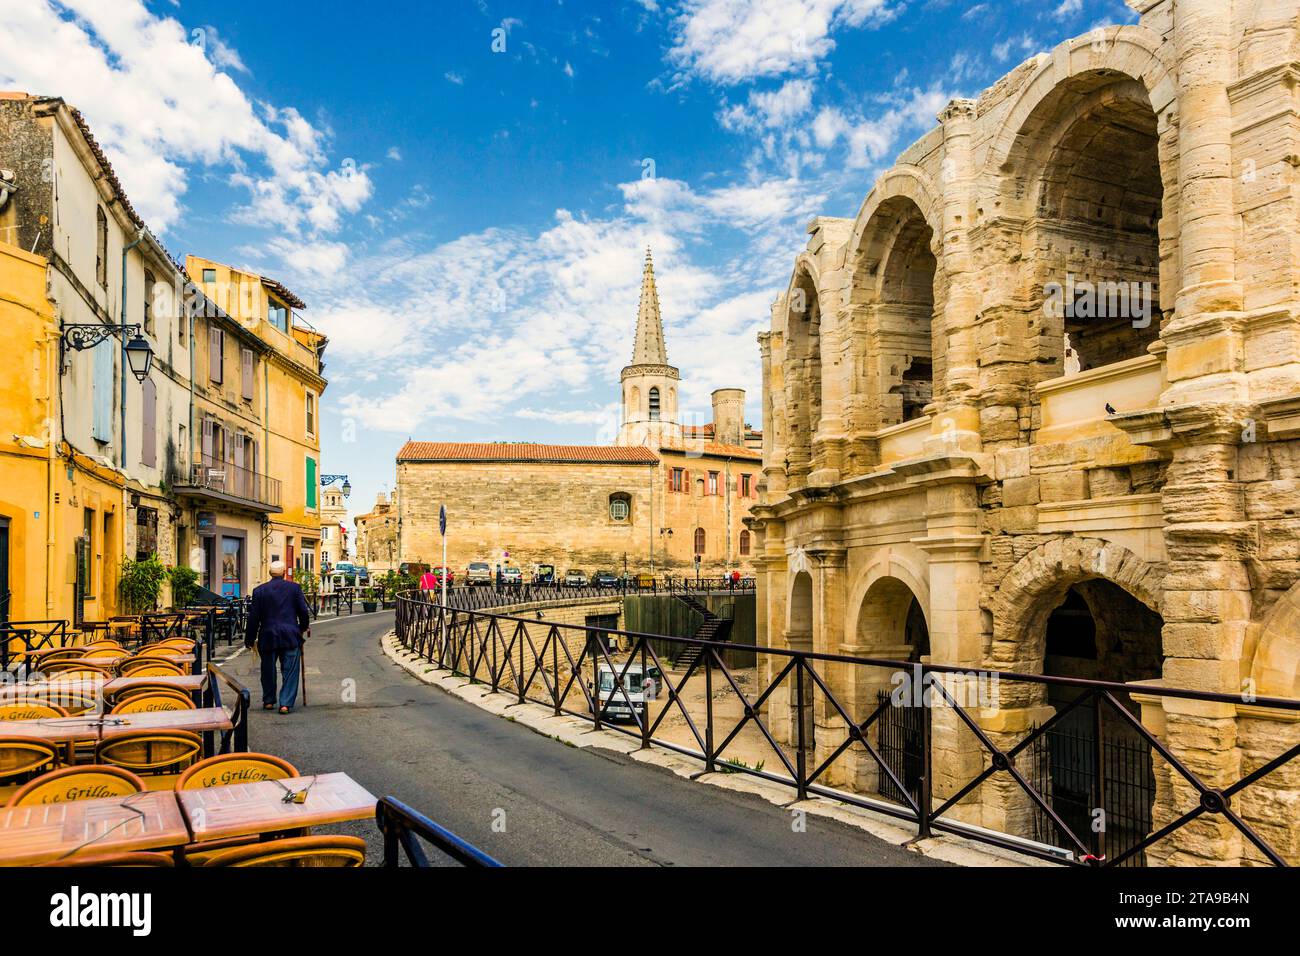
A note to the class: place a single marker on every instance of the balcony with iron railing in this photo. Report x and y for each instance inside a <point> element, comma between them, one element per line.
<point>229,483</point>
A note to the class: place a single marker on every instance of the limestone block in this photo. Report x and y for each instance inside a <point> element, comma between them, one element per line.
<point>1018,492</point>
<point>1065,486</point>
<point>1109,482</point>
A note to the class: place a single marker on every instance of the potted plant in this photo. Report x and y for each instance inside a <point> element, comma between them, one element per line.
<point>141,583</point>
<point>368,602</point>
<point>185,584</point>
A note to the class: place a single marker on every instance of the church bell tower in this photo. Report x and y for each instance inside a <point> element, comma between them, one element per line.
<point>650,384</point>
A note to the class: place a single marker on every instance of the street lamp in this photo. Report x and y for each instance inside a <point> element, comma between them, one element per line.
<point>330,479</point>
<point>139,353</point>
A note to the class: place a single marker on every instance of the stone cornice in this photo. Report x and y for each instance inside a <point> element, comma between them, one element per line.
<point>1180,425</point>
<point>635,371</point>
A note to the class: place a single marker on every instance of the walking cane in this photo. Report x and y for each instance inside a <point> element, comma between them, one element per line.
<point>302,665</point>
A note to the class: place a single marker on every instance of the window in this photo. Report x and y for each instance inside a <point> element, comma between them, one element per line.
<point>149,424</point>
<point>620,506</point>
<point>313,486</point>
<point>745,489</point>
<point>246,373</point>
<point>677,480</point>
<point>699,540</point>
<point>149,283</point>
<point>713,482</point>
<point>699,487</point>
<point>209,276</point>
<point>87,564</point>
<point>277,315</point>
<point>744,543</point>
<point>311,414</point>
<point>146,532</point>
<point>101,248</point>
<point>654,404</point>
<point>216,354</point>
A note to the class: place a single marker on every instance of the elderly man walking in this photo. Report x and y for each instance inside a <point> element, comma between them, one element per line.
<point>278,622</point>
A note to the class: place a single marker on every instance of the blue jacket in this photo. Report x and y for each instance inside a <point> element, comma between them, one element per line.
<point>277,616</point>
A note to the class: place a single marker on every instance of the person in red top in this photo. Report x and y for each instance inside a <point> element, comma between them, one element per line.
<point>735,580</point>
<point>429,582</point>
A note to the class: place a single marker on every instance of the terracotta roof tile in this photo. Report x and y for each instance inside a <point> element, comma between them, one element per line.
<point>717,450</point>
<point>524,451</point>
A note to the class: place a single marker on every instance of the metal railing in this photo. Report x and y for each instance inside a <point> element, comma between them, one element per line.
<point>401,826</point>
<point>236,739</point>
<point>503,653</point>
<point>227,478</point>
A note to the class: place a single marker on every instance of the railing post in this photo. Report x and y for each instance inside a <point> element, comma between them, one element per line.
<point>555,668</point>
<point>801,759</point>
<point>1099,774</point>
<point>645,702</point>
<point>708,712</point>
<point>926,793</point>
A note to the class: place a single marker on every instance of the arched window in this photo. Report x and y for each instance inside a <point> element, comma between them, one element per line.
<point>699,540</point>
<point>620,507</point>
<point>101,247</point>
<point>654,404</point>
<point>744,543</point>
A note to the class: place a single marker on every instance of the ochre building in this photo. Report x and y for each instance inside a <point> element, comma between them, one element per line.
<point>661,496</point>
<point>1036,408</point>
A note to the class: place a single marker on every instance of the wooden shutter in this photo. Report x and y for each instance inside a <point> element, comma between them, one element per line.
<point>102,387</point>
<point>312,483</point>
<point>246,372</point>
<point>207,439</point>
<point>216,343</point>
<point>149,424</point>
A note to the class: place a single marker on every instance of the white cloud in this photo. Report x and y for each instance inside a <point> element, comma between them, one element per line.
<point>456,78</point>
<point>219,52</point>
<point>1068,8</point>
<point>872,139</point>
<point>394,154</point>
<point>730,41</point>
<point>160,106</point>
<point>772,109</point>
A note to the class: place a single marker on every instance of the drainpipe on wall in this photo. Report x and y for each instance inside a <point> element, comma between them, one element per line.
<point>53,363</point>
<point>121,453</point>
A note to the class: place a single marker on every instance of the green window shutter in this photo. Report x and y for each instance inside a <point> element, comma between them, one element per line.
<point>313,485</point>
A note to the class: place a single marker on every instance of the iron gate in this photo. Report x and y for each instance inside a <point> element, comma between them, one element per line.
<point>1076,774</point>
<point>901,741</point>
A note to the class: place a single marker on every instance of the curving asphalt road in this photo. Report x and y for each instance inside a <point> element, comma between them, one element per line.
<point>561,805</point>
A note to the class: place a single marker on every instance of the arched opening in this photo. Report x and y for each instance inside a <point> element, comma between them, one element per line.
<point>654,404</point>
<point>898,267</point>
<point>1096,233</point>
<point>803,376</point>
<point>1092,757</point>
<point>699,541</point>
<point>744,544</point>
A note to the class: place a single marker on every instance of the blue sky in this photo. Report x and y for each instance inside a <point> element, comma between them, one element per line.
<point>467,223</point>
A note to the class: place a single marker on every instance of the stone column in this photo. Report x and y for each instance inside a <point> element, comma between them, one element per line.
<point>955,549</point>
<point>1204,338</point>
<point>827,727</point>
<point>956,420</point>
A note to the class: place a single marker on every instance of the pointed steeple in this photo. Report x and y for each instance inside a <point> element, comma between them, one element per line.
<point>649,349</point>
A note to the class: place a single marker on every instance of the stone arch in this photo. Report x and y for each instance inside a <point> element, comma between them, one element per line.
<point>799,613</point>
<point>1086,160</point>
<point>1126,51</point>
<point>1275,665</point>
<point>803,364</point>
<point>1038,582</point>
<point>899,182</point>
<point>905,566</point>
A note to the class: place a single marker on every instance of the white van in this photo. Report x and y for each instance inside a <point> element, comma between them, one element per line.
<point>637,689</point>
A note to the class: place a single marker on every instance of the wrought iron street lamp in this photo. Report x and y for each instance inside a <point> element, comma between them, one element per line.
<point>139,353</point>
<point>330,479</point>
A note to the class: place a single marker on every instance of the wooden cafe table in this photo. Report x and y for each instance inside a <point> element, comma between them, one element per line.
<point>245,809</point>
<point>59,730</point>
<point>185,683</point>
<point>49,832</point>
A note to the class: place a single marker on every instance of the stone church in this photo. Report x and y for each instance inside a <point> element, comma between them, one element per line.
<point>666,497</point>
<point>1036,408</point>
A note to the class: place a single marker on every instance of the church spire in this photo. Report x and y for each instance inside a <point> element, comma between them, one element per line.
<point>648,348</point>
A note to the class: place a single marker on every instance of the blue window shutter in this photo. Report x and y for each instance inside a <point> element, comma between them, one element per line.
<point>102,426</point>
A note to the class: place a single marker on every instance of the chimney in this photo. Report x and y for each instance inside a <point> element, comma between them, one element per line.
<point>729,416</point>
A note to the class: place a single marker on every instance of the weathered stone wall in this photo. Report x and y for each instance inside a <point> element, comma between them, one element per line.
<point>1154,449</point>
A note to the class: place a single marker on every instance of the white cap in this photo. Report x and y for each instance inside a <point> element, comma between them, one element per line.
<point>277,569</point>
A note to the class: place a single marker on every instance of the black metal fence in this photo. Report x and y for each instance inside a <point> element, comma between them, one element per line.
<point>561,671</point>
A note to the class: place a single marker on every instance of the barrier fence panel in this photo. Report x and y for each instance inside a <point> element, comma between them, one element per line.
<point>911,740</point>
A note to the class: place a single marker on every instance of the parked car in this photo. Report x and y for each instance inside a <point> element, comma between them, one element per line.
<point>478,572</point>
<point>604,579</point>
<point>440,571</point>
<point>575,579</point>
<point>544,575</point>
<point>511,575</point>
